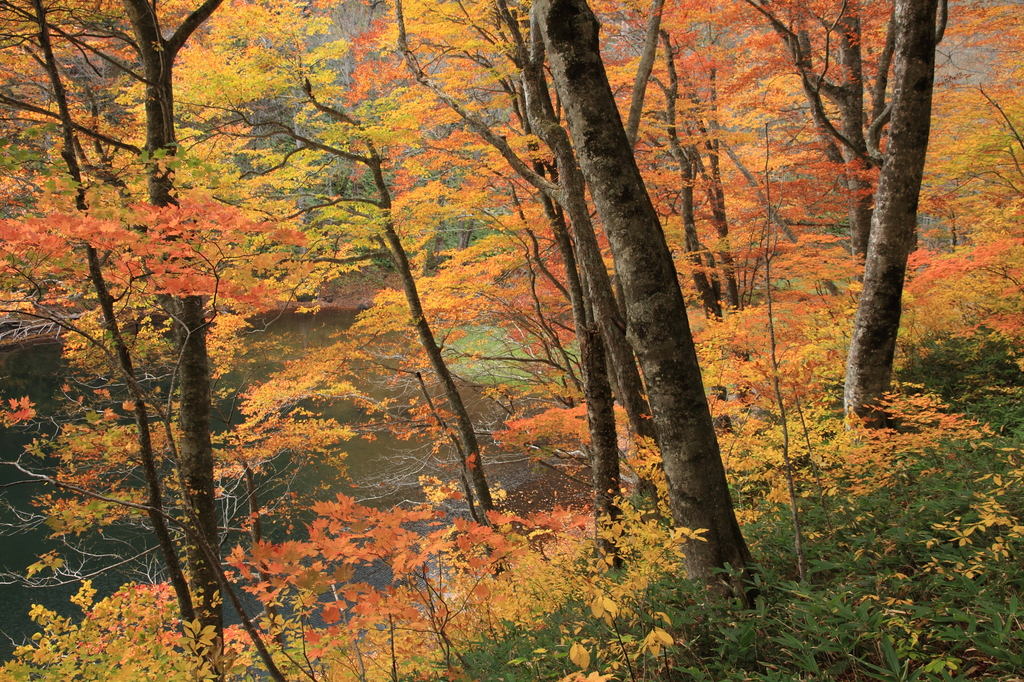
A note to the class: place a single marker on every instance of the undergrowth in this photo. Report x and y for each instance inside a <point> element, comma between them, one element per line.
<point>919,581</point>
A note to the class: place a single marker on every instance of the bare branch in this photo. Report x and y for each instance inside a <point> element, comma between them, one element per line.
<point>89,132</point>
<point>643,71</point>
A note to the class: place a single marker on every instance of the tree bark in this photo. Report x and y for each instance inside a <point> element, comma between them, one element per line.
<point>894,224</point>
<point>849,96</point>
<point>195,450</point>
<point>597,390</point>
<point>597,284</point>
<point>657,324</point>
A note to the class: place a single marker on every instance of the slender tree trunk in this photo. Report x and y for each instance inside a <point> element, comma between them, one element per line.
<point>893,228</point>
<point>154,489</point>
<point>469,451</point>
<point>597,391</point>
<point>597,282</point>
<point>849,96</point>
<point>121,352</point>
<point>846,145</point>
<point>195,450</point>
<point>719,218</point>
<point>643,71</point>
<point>708,296</point>
<point>470,460</point>
<point>468,448</point>
<point>657,324</point>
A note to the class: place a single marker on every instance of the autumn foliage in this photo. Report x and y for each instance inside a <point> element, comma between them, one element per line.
<point>318,142</point>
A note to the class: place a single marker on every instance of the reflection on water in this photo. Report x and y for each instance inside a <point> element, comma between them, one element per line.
<point>34,372</point>
<point>38,372</point>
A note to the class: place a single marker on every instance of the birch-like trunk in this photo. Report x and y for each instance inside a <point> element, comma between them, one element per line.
<point>894,222</point>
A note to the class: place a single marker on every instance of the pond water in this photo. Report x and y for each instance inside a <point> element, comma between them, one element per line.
<point>38,372</point>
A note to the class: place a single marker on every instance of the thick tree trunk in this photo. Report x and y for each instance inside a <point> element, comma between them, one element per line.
<point>195,450</point>
<point>657,325</point>
<point>893,228</point>
<point>605,317</point>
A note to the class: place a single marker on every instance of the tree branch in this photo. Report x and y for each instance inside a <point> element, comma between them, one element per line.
<point>475,122</point>
<point>643,71</point>
<point>189,25</point>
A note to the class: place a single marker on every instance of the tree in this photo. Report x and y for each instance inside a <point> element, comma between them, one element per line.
<point>367,189</point>
<point>853,142</point>
<point>105,39</point>
<point>894,221</point>
<point>657,324</point>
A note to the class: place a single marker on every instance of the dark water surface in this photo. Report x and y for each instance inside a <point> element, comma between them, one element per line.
<point>39,372</point>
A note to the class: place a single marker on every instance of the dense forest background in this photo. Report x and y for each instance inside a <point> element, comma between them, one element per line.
<point>745,278</point>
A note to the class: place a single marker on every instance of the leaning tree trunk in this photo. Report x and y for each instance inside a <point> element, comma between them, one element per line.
<point>657,324</point>
<point>893,227</point>
<point>597,390</point>
<point>467,445</point>
<point>598,287</point>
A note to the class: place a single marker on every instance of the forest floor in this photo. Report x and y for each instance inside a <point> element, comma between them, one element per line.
<point>546,490</point>
<point>356,290</point>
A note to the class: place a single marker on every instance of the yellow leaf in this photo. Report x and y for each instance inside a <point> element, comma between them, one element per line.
<point>592,677</point>
<point>662,636</point>
<point>579,655</point>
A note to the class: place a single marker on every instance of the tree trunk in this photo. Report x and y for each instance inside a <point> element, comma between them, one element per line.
<point>846,145</point>
<point>154,486</point>
<point>849,96</point>
<point>894,224</point>
<point>708,296</point>
<point>597,391</point>
<point>466,445</point>
<point>469,448</point>
<point>195,450</point>
<point>657,325</point>
<point>598,285</point>
<point>716,198</point>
